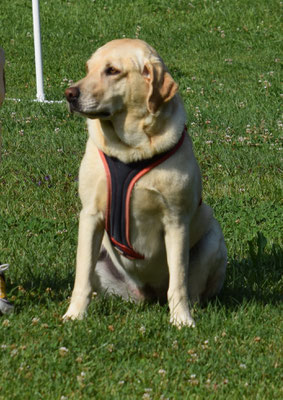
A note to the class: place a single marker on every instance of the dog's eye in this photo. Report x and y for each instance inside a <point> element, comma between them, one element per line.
<point>112,71</point>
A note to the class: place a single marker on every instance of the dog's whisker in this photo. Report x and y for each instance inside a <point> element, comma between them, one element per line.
<point>88,104</point>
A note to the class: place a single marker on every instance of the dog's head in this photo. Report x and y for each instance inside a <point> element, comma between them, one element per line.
<point>123,76</point>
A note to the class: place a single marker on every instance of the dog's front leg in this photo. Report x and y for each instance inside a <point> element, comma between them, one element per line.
<point>89,242</point>
<point>177,249</point>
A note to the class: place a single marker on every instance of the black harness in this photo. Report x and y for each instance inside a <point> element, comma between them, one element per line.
<point>121,178</point>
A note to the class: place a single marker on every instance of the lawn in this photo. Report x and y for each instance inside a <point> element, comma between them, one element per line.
<point>227,59</point>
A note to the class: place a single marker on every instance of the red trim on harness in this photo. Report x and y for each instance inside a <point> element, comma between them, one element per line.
<point>129,252</point>
<point>109,188</point>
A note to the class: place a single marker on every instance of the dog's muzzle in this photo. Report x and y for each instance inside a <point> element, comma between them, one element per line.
<point>73,95</point>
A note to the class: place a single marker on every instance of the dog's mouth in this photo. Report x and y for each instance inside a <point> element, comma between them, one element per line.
<point>95,115</point>
<point>74,107</point>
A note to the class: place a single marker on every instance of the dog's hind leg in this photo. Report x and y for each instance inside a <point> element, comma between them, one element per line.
<point>208,260</point>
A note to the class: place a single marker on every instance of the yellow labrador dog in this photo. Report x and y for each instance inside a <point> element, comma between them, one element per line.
<point>144,232</point>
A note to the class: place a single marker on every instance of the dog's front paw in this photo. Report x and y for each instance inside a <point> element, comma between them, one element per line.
<point>71,317</point>
<point>73,313</point>
<point>181,320</point>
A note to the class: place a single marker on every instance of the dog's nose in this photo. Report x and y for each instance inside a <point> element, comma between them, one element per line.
<point>72,94</point>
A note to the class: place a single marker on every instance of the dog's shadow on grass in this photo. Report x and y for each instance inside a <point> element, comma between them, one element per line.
<point>40,289</point>
<point>258,277</point>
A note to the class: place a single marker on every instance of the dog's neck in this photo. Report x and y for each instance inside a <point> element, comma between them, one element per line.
<point>138,135</point>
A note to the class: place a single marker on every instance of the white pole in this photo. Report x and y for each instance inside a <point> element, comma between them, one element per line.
<point>37,51</point>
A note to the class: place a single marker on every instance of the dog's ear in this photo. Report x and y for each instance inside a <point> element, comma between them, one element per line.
<point>162,86</point>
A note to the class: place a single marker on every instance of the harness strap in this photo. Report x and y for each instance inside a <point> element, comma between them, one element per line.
<point>121,179</point>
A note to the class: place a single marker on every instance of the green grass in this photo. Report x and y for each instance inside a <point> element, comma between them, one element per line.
<point>225,55</point>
